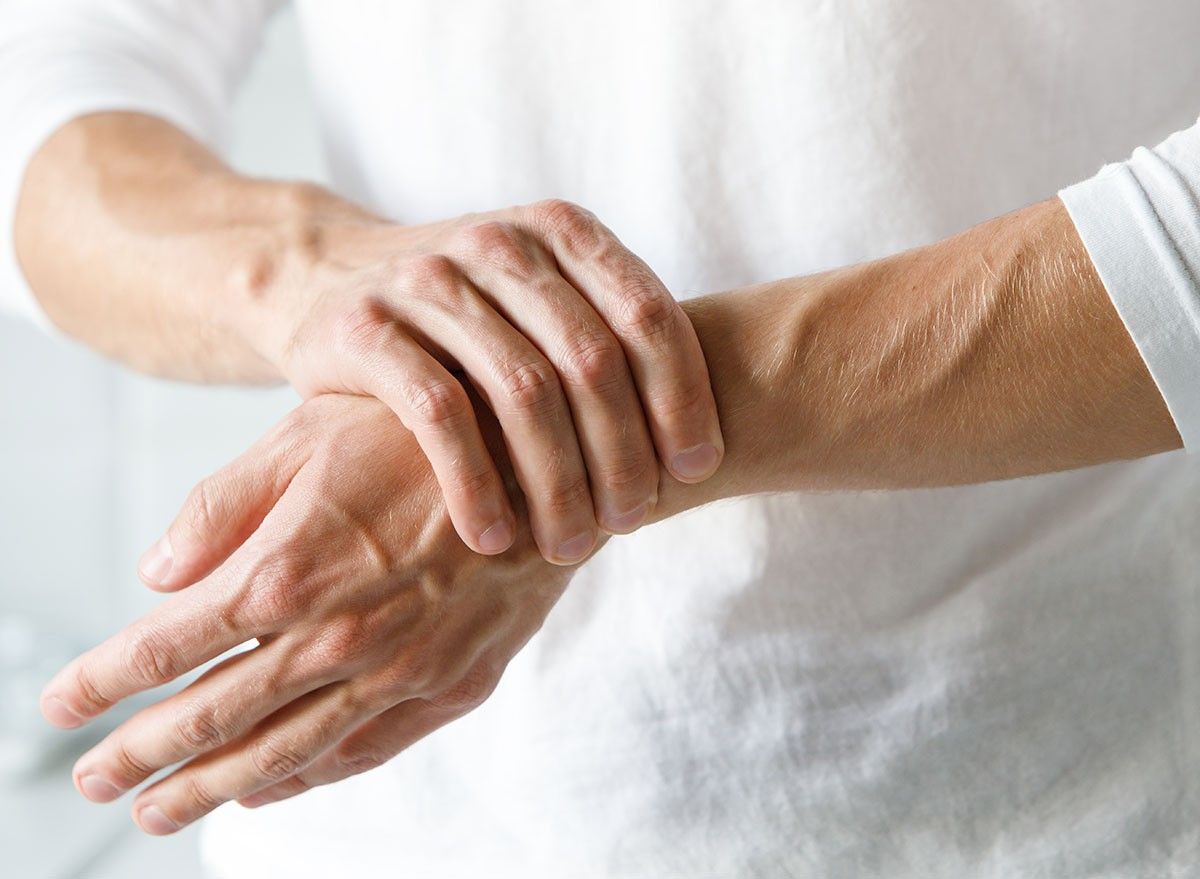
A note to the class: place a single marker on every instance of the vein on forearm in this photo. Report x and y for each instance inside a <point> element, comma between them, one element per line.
<point>990,355</point>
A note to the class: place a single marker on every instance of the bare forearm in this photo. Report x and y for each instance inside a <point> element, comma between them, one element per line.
<point>990,355</point>
<point>142,244</point>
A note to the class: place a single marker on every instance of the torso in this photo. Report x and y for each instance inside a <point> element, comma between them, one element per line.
<point>992,680</point>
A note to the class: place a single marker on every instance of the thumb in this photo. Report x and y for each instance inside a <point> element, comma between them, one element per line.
<point>217,517</point>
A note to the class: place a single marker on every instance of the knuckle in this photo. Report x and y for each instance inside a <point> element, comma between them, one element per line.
<point>647,313</point>
<point>689,403</point>
<point>496,243</point>
<point>197,729</point>
<point>432,270</point>
<point>569,494</point>
<point>201,515</point>
<point>432,267</point>
<point>595,360</point>
<point>197,792</point>
<point>148,658</point>
<point>625,475</point>
<point>275,758</point>
<point>272,605</point>
<point>86,691</point>
<point>530,387</point>
<point>468,693</point>
<point>473,479</point>
<point>271,590</point>
<point>407,675</point>
<point>550,210</point>
<point>343,640</point>
<point>357,758</point>
<point>129,767</point>
<point>487,235</point>
<point>361,330</point>
<point>436,402</point>
<point>577,229</point>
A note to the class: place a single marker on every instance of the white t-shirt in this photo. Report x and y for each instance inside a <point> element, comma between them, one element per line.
<point>999,680</point>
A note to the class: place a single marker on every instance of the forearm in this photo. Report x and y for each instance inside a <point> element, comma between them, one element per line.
<point>990,355</point>
<point>142,244</point>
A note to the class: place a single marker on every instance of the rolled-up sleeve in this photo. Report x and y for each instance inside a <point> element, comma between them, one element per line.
<point>180,60</point>
<point>1140,223</point>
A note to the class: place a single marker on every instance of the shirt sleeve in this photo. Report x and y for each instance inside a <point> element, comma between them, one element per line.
<point>1140,223</point>
<point>180,60</point>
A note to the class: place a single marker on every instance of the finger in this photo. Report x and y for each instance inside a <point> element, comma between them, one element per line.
<point>430,402</point>
<point>383,737</point>
<point>522,389</point>
<point>279,747</point>
<point>219,707</point>
<point>663,350</point>
<point>219,514</point>
<point>377,742</point>
<point>524,285</point>
<point>179,635</point>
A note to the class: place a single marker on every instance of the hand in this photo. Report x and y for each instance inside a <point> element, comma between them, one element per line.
<point>593,370</point>
<point>375,624</point>
<point>584,357</point>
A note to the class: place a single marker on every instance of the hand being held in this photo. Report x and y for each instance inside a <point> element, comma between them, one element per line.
<point>591,367</point>
<point>329,543</point>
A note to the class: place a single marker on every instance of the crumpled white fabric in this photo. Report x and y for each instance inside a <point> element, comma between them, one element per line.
<point>1140,223</point>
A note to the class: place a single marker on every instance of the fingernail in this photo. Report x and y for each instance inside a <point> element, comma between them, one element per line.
<point>254,801</point>
<point>156,563</point>
<point>575,548</point>
<point>153,821</point>
<point>623,522</point>
<point>98,790</point>
<point>497,537</point>
<point>57,712</point>
<point>696,462</point>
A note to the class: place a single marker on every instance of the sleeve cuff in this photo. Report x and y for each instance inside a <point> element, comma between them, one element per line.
<point>1140,224</point>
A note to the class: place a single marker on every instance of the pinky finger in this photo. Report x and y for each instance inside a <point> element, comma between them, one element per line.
<point>281,745</point>
<point>379,740</point>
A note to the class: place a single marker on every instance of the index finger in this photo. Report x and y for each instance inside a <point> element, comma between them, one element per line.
<point>660,343</point>
<point>174,638</point>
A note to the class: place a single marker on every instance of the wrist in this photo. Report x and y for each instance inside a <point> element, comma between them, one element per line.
<point>989,355</point>
<point>284,257</point>
<point>749,337</point>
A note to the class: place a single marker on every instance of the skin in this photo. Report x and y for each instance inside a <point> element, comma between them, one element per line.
<point>589,364</point>
<point>375,624</point>
<point>990,355</point>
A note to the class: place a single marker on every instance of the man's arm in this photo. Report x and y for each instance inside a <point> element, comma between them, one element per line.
<point>139,241</point>
<point>1057,336</point>
<point>993,354</point>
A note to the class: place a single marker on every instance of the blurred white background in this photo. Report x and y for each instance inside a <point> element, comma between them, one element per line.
<point>94,462</point>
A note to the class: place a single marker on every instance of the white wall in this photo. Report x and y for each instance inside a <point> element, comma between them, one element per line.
<point>94,460</point>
